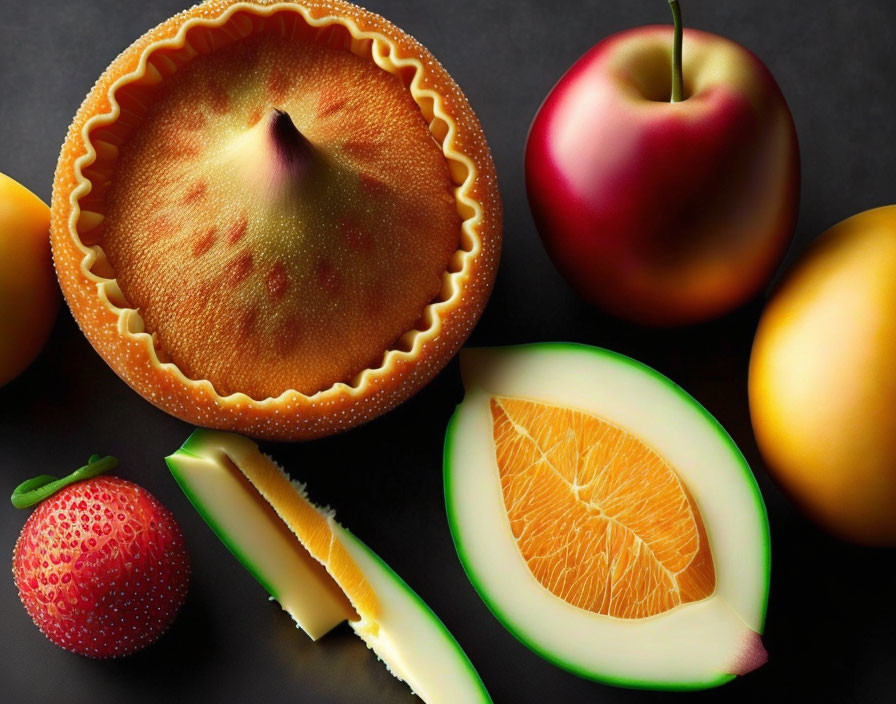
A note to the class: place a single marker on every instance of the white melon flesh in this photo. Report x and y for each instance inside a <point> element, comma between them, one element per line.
<point>404,633</point>
<point>260,540</point>
<point>411,641</point>
<point>694,645</point>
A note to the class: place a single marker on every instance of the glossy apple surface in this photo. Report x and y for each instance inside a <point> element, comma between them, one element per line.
<point>664,213</point>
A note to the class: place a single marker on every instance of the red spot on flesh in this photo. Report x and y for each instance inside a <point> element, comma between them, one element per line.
<point>278,84</point>
<point>254,117</point>
<point>288,333</point>
<point>202,289</point>
<point>330,101</point>
<point>237,230</point>
<point>246,324</point>
<point>160,228</point>
<point>372,186</point>
<point>277,281</point>
<point>355,237</point>
<point>240,267</point>
<point>197,297</point>
<point>219,100</point>
<point>186,305</point>
<point>194,121</point>
<point>204,243</point>
<point>180,148</point>
<point>327,277</point>
<point>197,192</point>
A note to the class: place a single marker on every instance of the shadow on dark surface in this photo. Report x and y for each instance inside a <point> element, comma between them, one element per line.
<point>361,676</point>
<point>830,602</point>
<point>179,657</point>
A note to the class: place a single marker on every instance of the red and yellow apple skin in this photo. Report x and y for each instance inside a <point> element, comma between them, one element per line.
<point>659,212</point>
<point>29,296</point>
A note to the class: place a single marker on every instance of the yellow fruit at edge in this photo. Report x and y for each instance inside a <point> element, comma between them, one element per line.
<point>29,297</point>
<point>823,379</point>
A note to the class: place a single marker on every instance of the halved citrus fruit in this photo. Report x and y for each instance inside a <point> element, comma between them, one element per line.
<point>606,518</point>
<point>276,217</point>
<point>319,572</point>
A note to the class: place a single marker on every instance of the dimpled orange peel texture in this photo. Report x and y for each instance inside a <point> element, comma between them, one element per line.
<point>602,520</point>
<point>278,218</point>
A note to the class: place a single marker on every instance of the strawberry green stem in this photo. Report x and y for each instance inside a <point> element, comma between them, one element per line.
<point>35,490</point>
<point>677,81</point>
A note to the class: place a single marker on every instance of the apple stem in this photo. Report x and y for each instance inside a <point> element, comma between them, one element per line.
<point>677,81</point>
<point>35,490</point>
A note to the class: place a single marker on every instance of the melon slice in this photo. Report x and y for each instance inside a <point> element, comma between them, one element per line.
<point>318,571</point>
<point>606,519</point>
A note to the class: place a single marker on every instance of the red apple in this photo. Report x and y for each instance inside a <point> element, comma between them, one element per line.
<point>660,211</point>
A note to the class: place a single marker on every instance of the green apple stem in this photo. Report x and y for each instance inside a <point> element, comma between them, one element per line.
<point>35,490</point>
<point>677,81</point>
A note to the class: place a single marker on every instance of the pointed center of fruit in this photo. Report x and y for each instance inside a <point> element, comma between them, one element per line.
<point>280,228</point>
<point>294,152</point>
<point>273,157</point>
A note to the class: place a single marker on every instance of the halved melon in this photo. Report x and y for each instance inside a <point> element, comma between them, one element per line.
<point>318,571</point>
<point>606,519</point>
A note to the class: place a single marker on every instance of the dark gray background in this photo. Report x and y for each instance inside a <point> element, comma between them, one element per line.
<point>831,630</point>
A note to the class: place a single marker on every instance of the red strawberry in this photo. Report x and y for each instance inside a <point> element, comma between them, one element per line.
<point>101,567</point>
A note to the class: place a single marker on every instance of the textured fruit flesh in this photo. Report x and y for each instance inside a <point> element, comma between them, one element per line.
<point>601,519</point>
<point>259,271</point>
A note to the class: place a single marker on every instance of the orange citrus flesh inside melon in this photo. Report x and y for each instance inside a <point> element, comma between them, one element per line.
<point>601,519</point>
<point>605,518</point>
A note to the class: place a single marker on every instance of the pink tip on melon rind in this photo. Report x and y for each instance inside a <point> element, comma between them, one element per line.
<point>750,656</point>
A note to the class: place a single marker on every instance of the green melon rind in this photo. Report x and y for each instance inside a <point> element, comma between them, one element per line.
<point>217,529</point>
<point>195,440</point>
<point>423,607</point>
<point>496,609</point>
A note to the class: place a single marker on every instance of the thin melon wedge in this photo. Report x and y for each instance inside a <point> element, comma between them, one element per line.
<point>317,570</point>
<point>606,519</point>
